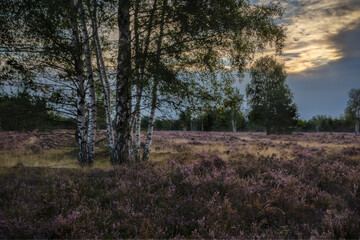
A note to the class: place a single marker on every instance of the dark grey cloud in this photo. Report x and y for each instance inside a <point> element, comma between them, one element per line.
<point>348,42</point>
<point>325,90</point>
<point>324,7</point>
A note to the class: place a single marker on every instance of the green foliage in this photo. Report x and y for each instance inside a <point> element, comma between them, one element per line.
<point>352,110</point>
<point>204,40</point>
<point>164,124</point>
<point>22,112</point>
<point>321,123</point>
<point>28,112</point>
<point>270,98</point>
<point>353,105</point>
<point>220,120</point>
<point>144,122</point>
<point>198,36</point>
<point>210,120</point>
<point>40,50</point>
<point>300,124</point>
<point>186,119</point>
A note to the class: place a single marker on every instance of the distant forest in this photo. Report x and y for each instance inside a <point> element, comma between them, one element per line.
<point>25,112</point>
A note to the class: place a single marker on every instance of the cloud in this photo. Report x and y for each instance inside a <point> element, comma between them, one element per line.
<point>312,26</point>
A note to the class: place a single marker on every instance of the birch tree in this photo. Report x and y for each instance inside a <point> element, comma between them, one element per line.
<point>81,109</point>
<point>104,82</point>
<point>140,58</point>
<point>52,30</point>
<point>353,107</point>
<point>91,133</point>
<point>197,36</point>
<point>232,101</point>
<point>149,135</point>
<point>160,47</point>
<point>122,148</point>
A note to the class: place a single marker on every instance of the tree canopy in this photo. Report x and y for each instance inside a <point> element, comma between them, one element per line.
<point>270,98</point>
<point>147,54</point>
<point>353,107</point>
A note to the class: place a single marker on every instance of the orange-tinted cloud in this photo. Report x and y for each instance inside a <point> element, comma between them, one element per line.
<point>311,26</point>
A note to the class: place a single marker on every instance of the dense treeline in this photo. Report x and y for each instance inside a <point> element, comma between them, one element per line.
<point>235,120</point>
<point>25,112</point>
<point>28,112</point>
<point>221,121</point>
<point>321,123</point>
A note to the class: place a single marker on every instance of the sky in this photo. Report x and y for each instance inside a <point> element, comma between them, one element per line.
<point>322,53</point>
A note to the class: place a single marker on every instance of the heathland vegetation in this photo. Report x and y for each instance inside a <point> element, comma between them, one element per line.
<point>195,185</point>
<point>84,84</point>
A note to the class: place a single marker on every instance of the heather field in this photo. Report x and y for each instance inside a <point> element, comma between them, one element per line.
<point>196,185</point>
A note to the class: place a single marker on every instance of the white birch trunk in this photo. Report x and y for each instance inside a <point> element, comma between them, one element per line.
<point>104,82</point>
<point>92,102</point>
<point>137,127</point>
<point>150,132</point>
<point>139,84</point>
<point>202,122</point>
<point>139,90</point>
<point>233,121</point>
<point>81,109</point>
<point>149,136</point>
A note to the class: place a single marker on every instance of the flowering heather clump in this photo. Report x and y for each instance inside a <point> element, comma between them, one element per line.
<point>264,197</point>
<point>37,141</point>
<point>9,140</point>
<point>209,162</point>
<point>301,152</point>
<point>351,151</point>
